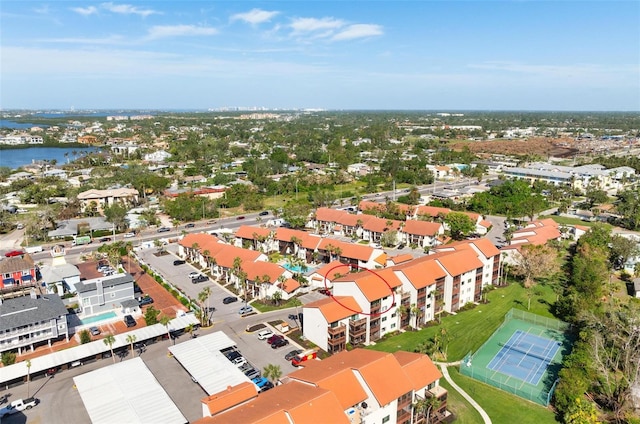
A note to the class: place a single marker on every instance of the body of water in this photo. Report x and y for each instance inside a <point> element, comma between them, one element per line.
<point>97,318</point>
<point>18,125</point>
<point>15,158</point>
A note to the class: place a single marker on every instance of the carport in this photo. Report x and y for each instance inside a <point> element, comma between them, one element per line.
<point>203,359</point>
<point>126,392</point>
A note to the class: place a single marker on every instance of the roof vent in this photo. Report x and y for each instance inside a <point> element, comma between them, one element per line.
<point>364,405</point>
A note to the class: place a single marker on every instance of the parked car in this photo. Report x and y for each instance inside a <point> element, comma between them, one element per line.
<point>325,292</point>
<point>164,229</point>
<point>95,331</point>
<point>18,405</point>
<point>129,235</point>
<point>240,217</point>
<point>260,381</point>
<point>105,239</point>
<point>401,246</point>
<point>179,262</point>
<point>279,343</point>
<point>252,373</point>
<point>273,338</point>
<point>200,279</point>
<point>265,334</point>
<point>190,225</point>
<point>229,299</point>
<point>239,361</point>
<point>147,300</point>
<point>264,213</point>
<point>193,274</point>
<point>14,253</point>
<point>245,310</point>
<point>129,321</point>
<point>292,354</point>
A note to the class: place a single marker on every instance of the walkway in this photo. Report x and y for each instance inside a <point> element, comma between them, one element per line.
<point>445,373</point>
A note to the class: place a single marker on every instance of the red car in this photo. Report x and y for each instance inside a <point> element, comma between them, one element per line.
<point>275,337</point>
<point>14,253</point>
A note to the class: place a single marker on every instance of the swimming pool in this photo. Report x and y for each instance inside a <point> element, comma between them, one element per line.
<point>297,268</point>
<point>101,317</point>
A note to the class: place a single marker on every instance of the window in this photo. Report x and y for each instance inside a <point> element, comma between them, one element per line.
<point>386,419</point>
<point>393,326</point>
<point>384,319</point>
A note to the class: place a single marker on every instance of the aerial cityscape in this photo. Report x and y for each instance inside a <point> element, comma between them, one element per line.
<point>413,212</point>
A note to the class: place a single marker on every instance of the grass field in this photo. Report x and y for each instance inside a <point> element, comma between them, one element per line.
<point>464,412</point>
<point>469,329</point>
<point>502,407</point>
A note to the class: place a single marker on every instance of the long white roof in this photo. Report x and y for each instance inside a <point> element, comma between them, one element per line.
<point>201,357</point>
<point>126,392</point>
<point>90,349</point>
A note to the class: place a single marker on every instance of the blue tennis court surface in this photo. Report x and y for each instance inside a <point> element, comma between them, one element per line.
<point>525,356</point>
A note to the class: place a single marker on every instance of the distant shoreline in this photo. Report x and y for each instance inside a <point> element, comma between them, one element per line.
<point>49,145</point>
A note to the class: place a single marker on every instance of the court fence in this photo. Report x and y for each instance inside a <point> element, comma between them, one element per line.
<point>474,364</point>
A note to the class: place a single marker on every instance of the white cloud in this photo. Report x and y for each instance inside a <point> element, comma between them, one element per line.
<point>255,16</point>
<point>85,11</point>
<point>114,39</point>
<point>162,31</point>
<point>358,31</point>
<point>307,25</point>
<point>127,9</point>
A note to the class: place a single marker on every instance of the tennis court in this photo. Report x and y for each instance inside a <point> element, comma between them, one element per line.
<point>523,356</point>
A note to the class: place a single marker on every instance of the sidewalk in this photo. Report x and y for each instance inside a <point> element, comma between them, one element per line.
<point>445,372</point>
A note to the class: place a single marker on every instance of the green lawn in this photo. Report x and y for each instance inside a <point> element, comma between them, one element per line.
<point>263,307</point>
<point>468,330</point>
<point>502,407</point>
<point>574,221</point>
<point>464,412</point>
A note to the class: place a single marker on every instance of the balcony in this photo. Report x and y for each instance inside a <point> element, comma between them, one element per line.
<point>357,328</point>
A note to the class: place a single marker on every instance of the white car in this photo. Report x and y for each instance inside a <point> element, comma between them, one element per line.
<point>129,235</point>
<point>265,334</point>
<point>193,274</point>
<point>238,362</point>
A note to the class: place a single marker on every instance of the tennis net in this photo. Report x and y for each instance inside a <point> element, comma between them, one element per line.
<point>528,353</point>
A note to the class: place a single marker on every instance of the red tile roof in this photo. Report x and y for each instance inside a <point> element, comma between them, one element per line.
<point>396,260</point>
<point>419,368</point>
<point>457,263</point>
<point>250,233</point>
<point>381,225</point>
<point>225,256</point>
<point>421,272</point>
<point>230,397</point>
<point>373,284</point>
<point>484,245</point>
<point>421,228</point>
<point>259,270</point>
<point>338,269</point>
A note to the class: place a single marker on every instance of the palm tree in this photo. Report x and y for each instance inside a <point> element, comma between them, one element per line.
<point>272,372</point>
<point>190,329</point>
<point>202,297</point>
<point>415,313</point>
<point>109,340</point>
<point>28,364</point>
<point>165,320</point>
<point>277,297</point>
<point>131,339</point>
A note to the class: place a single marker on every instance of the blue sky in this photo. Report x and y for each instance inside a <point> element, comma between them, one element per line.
<point>455,55</point>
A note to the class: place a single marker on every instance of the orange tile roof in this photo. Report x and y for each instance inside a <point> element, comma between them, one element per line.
<point>380,225</point>
<point>290,285</point>
<point>485,223</point>
<point>259,269</point>
<point>474,216</point>
<point>345,386</point>
<point>382,259</point>
<point>396,260</point>
<point>380,371</point>
<point>421,272</point>
<point>205,241</point>
<point>225,257</point>
<point>419,368</point>
<point>373,284</point>
<point>369,205</point>
<point>457,263</point>
<point>329,215</point>
<point>351,220</point>
<point>285,234</point>
<point>335,308</point>
<point>326,270</point>
<point>230,397</point>
<point>248,232</point>
<point>348,250</point>
<point>421,228</point>
<point>484,245</point>
<point>432,211</point>
<point>301,403</point>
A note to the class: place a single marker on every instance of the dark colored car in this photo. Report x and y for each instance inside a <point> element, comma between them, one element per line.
<point>147,300</point>
<point>229,299</point>
<point>200,279</point>
<point>272,339</point>
<point>264,213</point>
<point>289,356</point>
<point>401,246</point>
<point>164,229</point>
<point>129,321</point>
<point>240,217</point>
<point>190,225</point>
<point>279,343</point>
<point>325,292</point>
<point>179,262</point>
<point>105,239</point>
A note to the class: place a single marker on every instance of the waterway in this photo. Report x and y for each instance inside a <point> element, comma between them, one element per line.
<point>15,158</point>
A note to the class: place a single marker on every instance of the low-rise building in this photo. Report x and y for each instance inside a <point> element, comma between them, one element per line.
<point>104,294</point>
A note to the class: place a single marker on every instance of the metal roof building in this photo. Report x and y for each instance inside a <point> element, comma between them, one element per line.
<point>78,353</point>
<point>126,392</point>
<point>201,357</point>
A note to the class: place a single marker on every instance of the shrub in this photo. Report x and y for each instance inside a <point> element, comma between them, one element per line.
<point>158,278</point>
<point>8,358</point>
<point>151,315</point>
<point>184,301</point>
<point>85,337</point>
